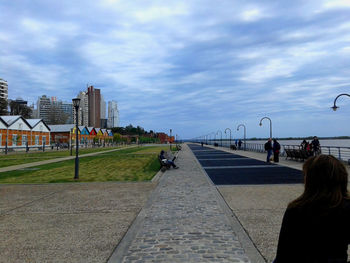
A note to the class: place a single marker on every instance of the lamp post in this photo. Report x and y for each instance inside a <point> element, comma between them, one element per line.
<point>221,136</point>
<point>270,125</point>
<point>170,138</point>
<point>242,125</point>
<point>76,103</point>
<point>230,135</point>
<point>335,100</point>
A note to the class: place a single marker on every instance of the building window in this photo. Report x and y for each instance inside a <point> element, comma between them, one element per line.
<point>44,140</point>
<point>24,139</point>
<point>14,139</point>
<point>0,139</point>
<point>36,139</point>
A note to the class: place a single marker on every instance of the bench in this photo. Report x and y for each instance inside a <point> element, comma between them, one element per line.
<point>297,154</point>
<point>163,165</point>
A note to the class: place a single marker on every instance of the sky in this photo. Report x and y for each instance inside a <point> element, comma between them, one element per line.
<point>196,67</point>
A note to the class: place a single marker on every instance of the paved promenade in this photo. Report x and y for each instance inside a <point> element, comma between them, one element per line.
<point>186,220</point>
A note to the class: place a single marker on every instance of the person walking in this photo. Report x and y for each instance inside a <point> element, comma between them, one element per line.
<point>268,148</point>
<point>315,226</point>
<point>276,150</point>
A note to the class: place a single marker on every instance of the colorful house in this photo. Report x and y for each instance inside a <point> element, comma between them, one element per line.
<point>92,134</point>
<point>85,135</point>
<point>40,132</point>
<point>18,131</point>
<point>61,133</point>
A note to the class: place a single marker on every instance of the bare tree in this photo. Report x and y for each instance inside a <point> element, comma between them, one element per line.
<point>56,115</point>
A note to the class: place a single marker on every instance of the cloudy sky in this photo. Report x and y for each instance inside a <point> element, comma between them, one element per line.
<point>191,66</point>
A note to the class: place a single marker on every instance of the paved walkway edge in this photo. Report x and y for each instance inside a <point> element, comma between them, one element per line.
<point>123,245</point>
<point>251,250</point>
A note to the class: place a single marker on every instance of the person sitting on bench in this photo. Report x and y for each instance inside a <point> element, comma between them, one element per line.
<point>164,159</point>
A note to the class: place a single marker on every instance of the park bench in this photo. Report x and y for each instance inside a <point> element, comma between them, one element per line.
<point>164,165</point>
<point>296,154</point>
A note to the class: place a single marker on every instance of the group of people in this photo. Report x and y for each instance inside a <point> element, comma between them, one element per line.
<point>313,148</point>
<point>272,148</point>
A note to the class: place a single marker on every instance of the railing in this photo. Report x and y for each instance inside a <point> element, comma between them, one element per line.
<point>342,153</point>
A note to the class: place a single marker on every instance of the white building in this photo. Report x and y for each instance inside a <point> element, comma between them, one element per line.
<point>103,107</point>
<point>83,109</point>
<point>3,89</point>
<point>113,114</point>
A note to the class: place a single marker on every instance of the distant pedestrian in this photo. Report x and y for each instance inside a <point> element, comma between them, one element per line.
<point>304,144</point>
<point>316,147</point>
<point>202,144</point>
<point>276,150</point>
<point>315,226</point>
<point>268,148</point>
<point>239,144</point>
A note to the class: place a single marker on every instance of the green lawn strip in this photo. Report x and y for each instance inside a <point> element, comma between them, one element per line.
<point>21,158</point>
<point>134,164</point>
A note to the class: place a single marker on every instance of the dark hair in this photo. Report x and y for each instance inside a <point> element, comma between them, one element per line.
<point>326,181</point>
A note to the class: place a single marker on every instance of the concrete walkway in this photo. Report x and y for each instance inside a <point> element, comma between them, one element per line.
<point>56,160</point>
<point>186,220</point>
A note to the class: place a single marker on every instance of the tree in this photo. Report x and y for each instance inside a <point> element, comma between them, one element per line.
<point>56,115</point>
<point>3,106</point>
<point>17,108</point>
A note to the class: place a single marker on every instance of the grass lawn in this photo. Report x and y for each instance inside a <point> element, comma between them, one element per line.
<point>22,157</point>
<point>133,164</point>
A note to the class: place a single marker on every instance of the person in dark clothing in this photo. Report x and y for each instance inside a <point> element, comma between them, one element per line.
<point>304,145</point>
<point>276,150</point>
<point>316,147</point>
<point>315,226</point>
<point>239,144</point>
<point>164,159</point>
<point>268,148</point>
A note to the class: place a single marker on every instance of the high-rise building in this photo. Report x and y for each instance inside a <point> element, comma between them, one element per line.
<point>83,109</point>
<point>113,114</point>
<point>103,108</point>
<point>67,108</point>
<point>3,89</point>
<point>43,107</point>
<point>94,100</point>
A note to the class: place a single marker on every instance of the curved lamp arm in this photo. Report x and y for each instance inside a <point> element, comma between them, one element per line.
<point>335,107</point>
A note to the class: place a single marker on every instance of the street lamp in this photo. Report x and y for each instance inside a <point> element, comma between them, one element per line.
<point>335,100</point>
<point>76,103</point>
<point>270,125</point>
<point>242,125</point>
<point>230,135</point>
<point>221,136</point>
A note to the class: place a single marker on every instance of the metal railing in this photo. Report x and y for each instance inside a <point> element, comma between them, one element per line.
<point>342,153</point>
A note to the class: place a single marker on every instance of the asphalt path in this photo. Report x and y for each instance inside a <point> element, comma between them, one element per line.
<point>225,168</point>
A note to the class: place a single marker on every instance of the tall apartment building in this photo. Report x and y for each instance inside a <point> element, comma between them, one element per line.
<point>51,110</point>
<point>43,107</point>
<point>103,107</point>
<point>113,114</point>
<point>67,108</point>
<point>94,101</point>
<point>83,109</point>
<point>3,89</point>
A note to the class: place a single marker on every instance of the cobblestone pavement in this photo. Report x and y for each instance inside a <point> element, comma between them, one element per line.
<point>184,221</point>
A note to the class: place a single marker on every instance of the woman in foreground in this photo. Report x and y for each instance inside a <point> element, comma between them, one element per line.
<point>316,226</point>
